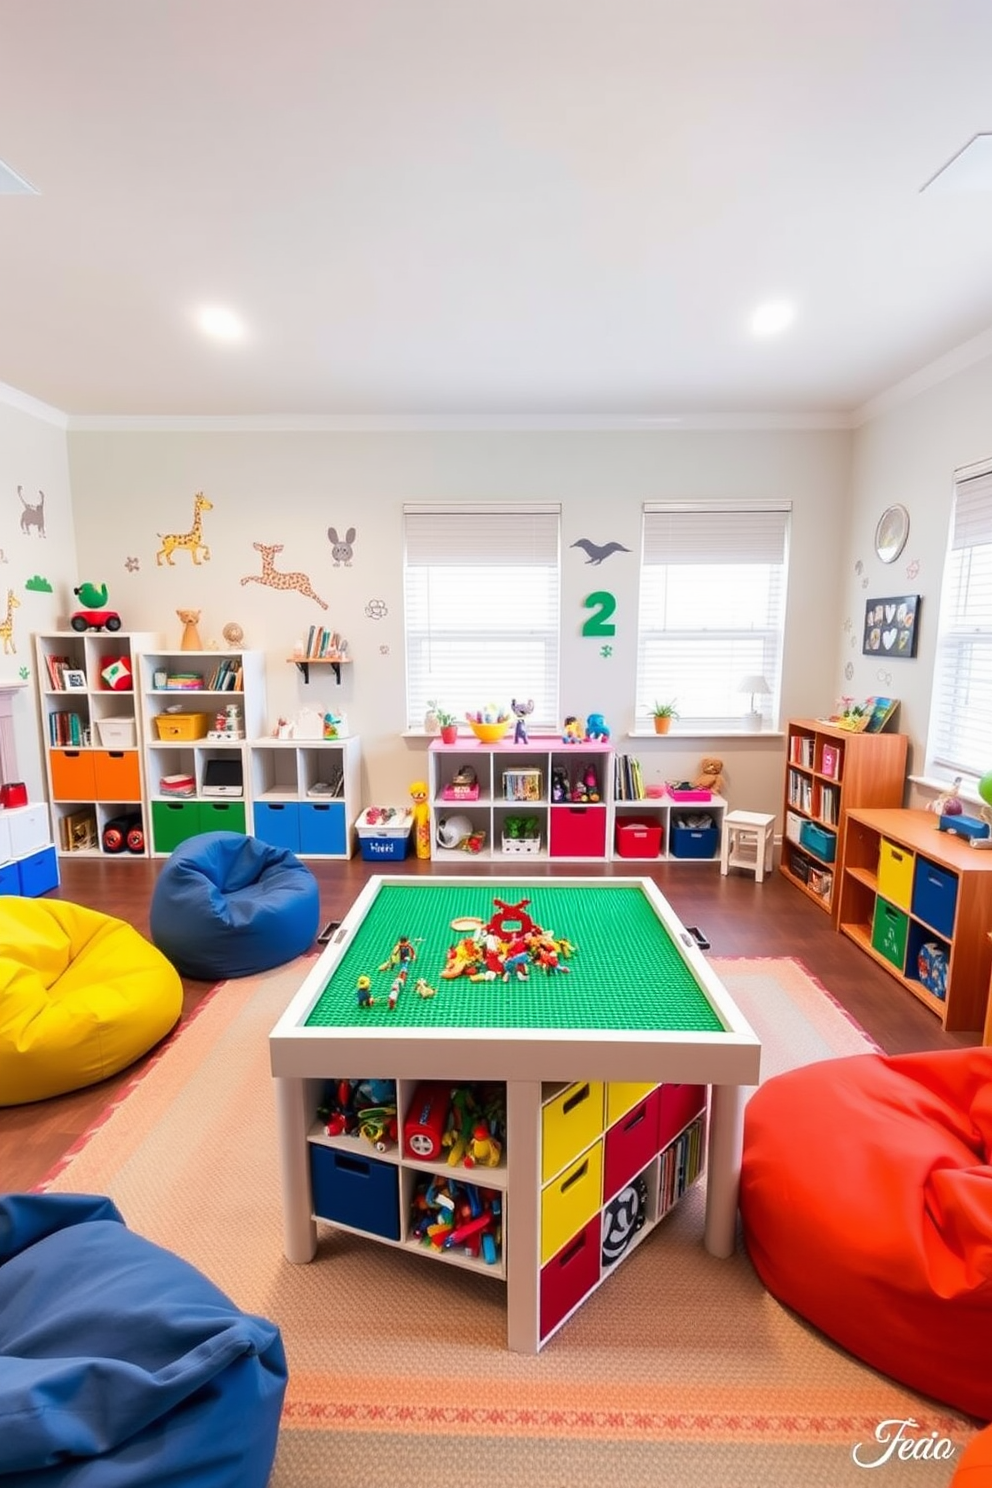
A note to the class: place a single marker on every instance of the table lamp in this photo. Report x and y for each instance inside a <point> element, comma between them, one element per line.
<point>756,685</point>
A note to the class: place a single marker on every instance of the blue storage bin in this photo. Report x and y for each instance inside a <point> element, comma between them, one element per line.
<point>278,823</point>
<point>38,873</point>
<point>818,840</point>
<point>935,895</point>
<point>355,1190</point>
<point>323,828</point>
<point>10,882</point>
<point>693,842</point>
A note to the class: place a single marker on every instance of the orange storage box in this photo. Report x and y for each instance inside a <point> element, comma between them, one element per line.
<point>73,775</point>
<point>117,775</point>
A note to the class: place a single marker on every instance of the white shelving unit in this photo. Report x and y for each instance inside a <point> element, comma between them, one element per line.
<point>680,837</point>
<point>289,803</point>
<point>173,819</point>
<point>567,829</point>
<point>92,734</point>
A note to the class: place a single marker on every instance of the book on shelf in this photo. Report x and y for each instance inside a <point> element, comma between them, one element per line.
<point>830,761</point>
<point>882,710</point>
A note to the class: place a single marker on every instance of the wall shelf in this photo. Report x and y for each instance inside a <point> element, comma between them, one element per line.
<point>304,663</point>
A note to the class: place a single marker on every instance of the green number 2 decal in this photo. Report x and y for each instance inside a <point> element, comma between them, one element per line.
<point>603,604</point>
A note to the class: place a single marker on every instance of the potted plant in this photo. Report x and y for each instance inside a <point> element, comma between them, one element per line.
<point>448,724</point>
<point>663,713</point>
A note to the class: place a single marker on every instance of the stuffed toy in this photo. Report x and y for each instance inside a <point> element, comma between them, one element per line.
<point>710,776</point>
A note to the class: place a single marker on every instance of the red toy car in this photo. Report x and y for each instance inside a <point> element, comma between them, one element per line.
<point>95,620</point>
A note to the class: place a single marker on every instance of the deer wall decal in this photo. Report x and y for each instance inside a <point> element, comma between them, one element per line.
<point>271,576</point>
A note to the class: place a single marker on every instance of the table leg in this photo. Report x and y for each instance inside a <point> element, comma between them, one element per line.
<point>521,1221</point>
<point>292,1125</point>
<point>723,1168</point>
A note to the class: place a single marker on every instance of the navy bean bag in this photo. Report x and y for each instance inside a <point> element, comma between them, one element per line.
<point>227,905</point>
<point>122,1366</point>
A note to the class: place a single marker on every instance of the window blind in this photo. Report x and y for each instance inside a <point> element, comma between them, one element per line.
<point>481,588</point>
<point>960,739</point>
<point>711,611</point>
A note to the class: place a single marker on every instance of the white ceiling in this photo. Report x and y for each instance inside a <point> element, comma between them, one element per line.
<point>535,208</point>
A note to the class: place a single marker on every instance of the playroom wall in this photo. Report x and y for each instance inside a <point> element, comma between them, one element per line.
<point>34,456</point>
<point>290,487</point>
<point>906,451</point>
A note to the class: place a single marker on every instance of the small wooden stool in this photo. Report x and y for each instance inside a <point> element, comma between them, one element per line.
<point>747,842</point>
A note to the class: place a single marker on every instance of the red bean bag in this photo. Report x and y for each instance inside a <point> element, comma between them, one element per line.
<point>866,1197</point>
<point>975,1468</point>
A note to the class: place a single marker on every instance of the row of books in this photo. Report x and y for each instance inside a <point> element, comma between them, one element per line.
<point>628,782</point>
<point>681,1164</point>
<point>58,666</point>
<point>322,643</point>
<point>65,728</point>
<point>226,676</point>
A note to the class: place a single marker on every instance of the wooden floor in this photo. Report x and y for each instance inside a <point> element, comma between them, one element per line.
<point>739,917</point>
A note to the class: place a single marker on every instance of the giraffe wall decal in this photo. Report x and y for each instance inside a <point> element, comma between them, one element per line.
<point>7,624</point>
<point>192,540</point>
<point>271,576</point>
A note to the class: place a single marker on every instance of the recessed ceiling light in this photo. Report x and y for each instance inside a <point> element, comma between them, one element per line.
<point>969,170</point>
<point>11,184</point>
<point>771,318</point>
<point>222,324</point>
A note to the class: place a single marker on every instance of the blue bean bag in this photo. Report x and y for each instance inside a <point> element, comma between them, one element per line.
<point>226,905</point>
<point>121,1366</point>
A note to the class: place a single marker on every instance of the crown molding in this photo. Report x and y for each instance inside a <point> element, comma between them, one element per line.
<point>24,403</point>
<point>452,423</point>
<point>935,372</point>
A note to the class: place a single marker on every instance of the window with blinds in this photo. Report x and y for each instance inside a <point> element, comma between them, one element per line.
<point>712,612</point>
<point>482,609</point>
<point>960,740</point>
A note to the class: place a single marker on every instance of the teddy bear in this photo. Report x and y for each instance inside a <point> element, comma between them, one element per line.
<point>710,776</point>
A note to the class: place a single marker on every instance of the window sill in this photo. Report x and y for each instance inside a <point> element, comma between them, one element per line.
<point>700,733</point>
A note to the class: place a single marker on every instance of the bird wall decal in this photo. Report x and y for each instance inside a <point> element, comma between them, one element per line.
<point>596,552</point>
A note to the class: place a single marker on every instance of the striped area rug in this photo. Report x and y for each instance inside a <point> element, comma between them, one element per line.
<point>680,1369</point>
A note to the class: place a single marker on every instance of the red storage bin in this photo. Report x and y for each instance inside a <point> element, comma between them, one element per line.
<point>630,1144</point>
<point>578,831</point>
<point>638,837</point>
<point>570,1275</point>
<point>677,1106</point>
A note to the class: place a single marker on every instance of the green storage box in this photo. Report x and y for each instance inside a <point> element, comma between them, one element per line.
<point>889,932</point>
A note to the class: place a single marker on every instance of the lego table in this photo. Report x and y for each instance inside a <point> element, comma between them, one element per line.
<point>638,1004</point>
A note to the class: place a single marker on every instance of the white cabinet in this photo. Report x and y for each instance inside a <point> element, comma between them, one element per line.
<point>662,827</point>
<point>91,729</point>
<point>305,794</point>
<point>536,801</point>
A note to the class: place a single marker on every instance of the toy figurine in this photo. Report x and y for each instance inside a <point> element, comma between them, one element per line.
<point>402,953</point>
<point>520,711</point>
<point>364,990</point>
<point>597,729</point>
<point>572,732</point>
<point>94,615</point>
<point>421,818</point>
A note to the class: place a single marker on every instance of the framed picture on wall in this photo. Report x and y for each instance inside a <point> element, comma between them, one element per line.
<point>891,626</point>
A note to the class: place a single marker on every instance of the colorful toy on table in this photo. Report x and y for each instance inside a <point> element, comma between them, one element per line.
<point>520,712</point>
<point>424,989</point>
<point>363,988</point>
<point>419,795</point>
<point>506,947</point>
<point>573,732</point>
<point>597,729</point>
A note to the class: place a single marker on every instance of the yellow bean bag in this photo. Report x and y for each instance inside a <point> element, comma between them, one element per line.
<point>82,995</point>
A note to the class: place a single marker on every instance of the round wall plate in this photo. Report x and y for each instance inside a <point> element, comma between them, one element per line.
<point>891,533</point>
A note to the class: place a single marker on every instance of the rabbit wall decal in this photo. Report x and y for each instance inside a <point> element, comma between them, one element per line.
<point>342,550</point>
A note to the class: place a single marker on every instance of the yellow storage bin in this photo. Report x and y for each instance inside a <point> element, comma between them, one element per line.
<point>895,873</point>
<point>182,725</point>
<point>622,1096</point>
<point>569,1122</point>
<point>571,1200</point>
